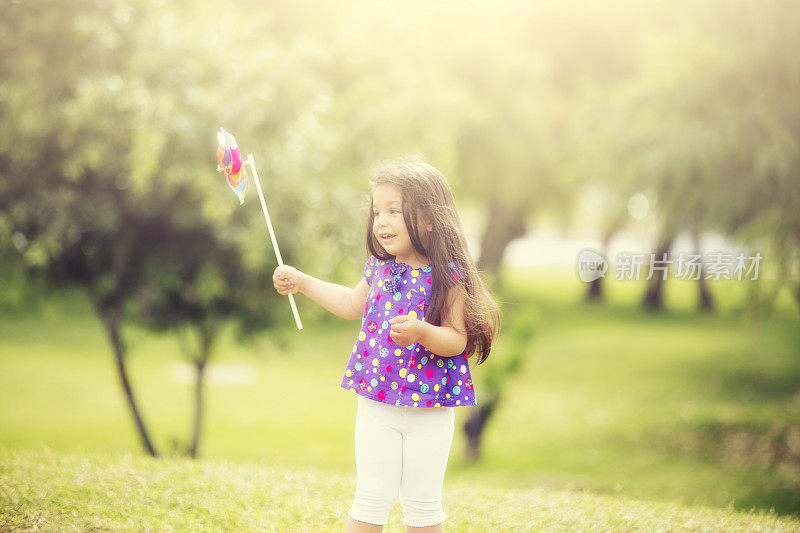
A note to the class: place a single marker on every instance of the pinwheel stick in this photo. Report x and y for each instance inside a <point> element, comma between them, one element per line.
<point>272,235</point>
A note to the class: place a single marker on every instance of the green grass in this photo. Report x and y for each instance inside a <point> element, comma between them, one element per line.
<point>680,407</point>
<point>41,490</point>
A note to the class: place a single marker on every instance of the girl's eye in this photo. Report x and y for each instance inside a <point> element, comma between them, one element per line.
<point>393,211</point>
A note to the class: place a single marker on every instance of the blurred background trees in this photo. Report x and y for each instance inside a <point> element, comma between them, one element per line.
<point>108,113</point>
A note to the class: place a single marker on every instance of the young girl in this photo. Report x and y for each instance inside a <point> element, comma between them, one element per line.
<point>423,312</point>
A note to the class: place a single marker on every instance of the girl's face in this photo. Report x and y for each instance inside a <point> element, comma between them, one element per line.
<point>388,224</point>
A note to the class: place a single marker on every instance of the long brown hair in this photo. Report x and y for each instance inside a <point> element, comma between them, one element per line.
<point>427,199</point>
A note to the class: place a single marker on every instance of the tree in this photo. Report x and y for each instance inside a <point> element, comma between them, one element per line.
<point>695,129</point>
<point>61,217</point>
<point>506,361</point>
<point>116,158</point>
<point>196,283</point>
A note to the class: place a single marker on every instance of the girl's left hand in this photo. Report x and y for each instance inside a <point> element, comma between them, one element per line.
<point>405,330</point>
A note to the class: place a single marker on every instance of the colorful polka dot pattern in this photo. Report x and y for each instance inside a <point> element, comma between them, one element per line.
<point>381,370</point>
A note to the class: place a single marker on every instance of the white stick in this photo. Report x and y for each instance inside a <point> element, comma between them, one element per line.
<point>272,235</point>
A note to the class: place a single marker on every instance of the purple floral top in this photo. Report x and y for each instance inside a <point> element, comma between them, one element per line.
<point>381,370</point>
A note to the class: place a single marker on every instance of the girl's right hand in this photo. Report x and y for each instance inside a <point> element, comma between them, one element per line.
<point>287,280</point>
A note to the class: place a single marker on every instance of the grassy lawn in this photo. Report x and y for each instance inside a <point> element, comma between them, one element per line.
<point>687,408</point>
<point>49,491</point>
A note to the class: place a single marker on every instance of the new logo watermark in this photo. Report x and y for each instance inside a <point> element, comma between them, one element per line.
<point>629,266</point>
<point>592,265</point>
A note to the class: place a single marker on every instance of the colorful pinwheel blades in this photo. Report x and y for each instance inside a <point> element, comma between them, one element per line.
<point>229,161</point>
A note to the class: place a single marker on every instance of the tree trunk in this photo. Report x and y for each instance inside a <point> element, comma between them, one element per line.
<point>475,425</point>
<point>109,309</point>
<point>595,290</point>
<point>207,335</point>
<point>704,300</point>
<point>654,297</point>
<point>505,223</point>
<point>797,294</point>
<point>111,322</point>
<point>198,408</point>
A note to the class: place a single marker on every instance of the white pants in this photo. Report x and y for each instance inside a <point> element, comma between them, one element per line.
<point>405,450</point>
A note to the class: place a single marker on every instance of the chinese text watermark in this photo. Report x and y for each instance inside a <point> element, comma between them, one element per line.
<point>629,266</point>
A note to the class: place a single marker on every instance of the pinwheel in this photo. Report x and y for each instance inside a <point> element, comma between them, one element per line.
<point>229,162</point>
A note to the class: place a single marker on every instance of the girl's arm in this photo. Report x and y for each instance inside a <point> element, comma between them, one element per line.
<point>340,300</point>
<point>446,340</point>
